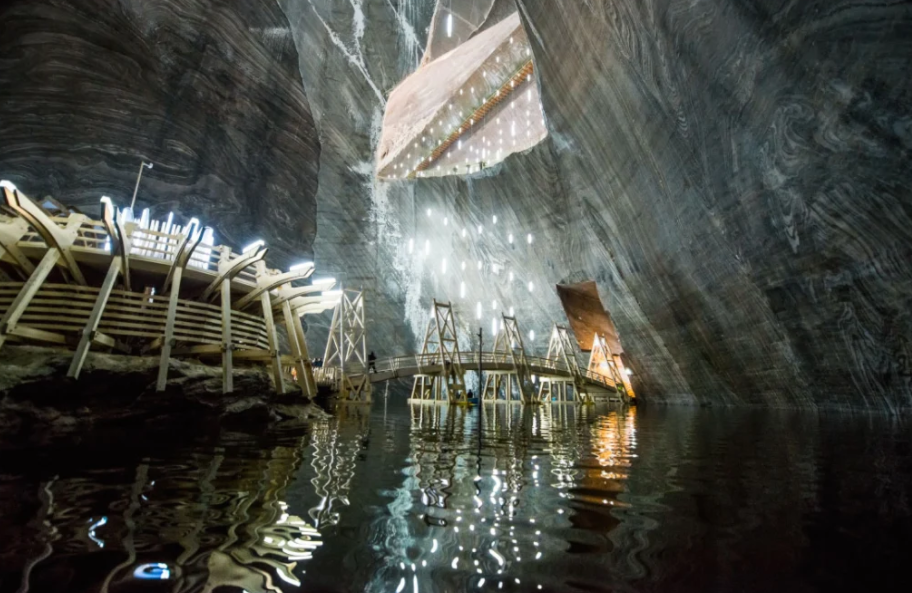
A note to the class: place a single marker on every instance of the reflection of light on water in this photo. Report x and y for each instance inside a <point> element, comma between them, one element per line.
<point>333,460</point>
<point>155,571</point>
<point>93,527</point>
<point>614,443</point>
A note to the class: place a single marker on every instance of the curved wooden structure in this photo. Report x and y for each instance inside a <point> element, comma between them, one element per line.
<point>145,286</point>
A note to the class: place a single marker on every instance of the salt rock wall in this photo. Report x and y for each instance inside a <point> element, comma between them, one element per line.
<point>734,176</point>
<point>207,90</point>
<point>351,54</point>
<point>741,171</point>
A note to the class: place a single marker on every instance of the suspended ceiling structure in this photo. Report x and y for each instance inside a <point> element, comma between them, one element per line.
<point>466,110</point>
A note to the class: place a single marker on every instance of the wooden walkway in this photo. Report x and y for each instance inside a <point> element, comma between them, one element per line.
<point>429,364</point>
<point>145,286</point>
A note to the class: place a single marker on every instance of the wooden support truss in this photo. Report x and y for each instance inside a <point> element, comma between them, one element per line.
<point>509,349</point>
<point>347,348</point>
<point>560,348</point>
<point>443,376</point>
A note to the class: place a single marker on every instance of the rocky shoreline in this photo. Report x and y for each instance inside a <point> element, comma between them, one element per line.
<point>34,389</point>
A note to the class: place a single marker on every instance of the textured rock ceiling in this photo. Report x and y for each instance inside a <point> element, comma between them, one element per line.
<point>734,174</point>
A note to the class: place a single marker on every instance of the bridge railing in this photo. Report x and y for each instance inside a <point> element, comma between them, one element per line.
<point>417,363</point>
<point>469,361</point>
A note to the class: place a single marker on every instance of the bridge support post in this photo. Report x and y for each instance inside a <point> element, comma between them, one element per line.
<point>272,336</point>
<point>173,281</point>
<point>88,332</point>
<point>440,350</point>
<point>347,348</point>
<point>118,267</point>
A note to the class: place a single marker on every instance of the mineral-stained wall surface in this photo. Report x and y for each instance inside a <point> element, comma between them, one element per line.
<point>734,174</point>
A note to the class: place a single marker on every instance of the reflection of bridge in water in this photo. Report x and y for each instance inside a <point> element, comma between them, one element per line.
<point>217,520</point>
<point>439,370</point>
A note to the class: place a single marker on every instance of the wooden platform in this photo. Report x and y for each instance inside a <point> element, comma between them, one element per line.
<point>137,286</point>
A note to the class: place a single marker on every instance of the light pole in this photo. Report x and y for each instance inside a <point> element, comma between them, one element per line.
<point>480,394</point>
<point>143,165</point>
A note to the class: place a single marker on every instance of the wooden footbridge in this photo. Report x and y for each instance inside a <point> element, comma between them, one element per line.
<point>142,286</point>
<point>439,370</point>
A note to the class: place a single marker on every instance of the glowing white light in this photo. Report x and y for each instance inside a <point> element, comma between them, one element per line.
<point>497,556</point>
<point>529,238</point>
<point>401,585</point>
<point>428,211</point>
<point>463,233</point>
<point>411,245</point>
<point>478,310</point>
<point>446,221</point>
<point>494,325</point>
<point>511,311</point>
<point>628,371</point>
<point>531,287</point>
<point>427,246</point>
<point>463,264</point>
<point>449,25</point>
<point>510,238</point>
<point>494,305</point>
<point>534,379</point>
<point>494,219</point>
<point>253,246</point>
<point>480,229</point>
<point>511,276</point>
<point>531,335</point>
<point>443,265</point>
<point>462,290</point>
<point>479,264</point>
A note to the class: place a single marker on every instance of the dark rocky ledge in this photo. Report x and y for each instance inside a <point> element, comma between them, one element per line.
<point>34,390</point>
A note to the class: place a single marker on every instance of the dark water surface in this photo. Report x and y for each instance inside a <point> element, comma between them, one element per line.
<point>416,499</point>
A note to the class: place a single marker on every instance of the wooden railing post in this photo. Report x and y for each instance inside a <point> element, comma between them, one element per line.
<point>227,346</point>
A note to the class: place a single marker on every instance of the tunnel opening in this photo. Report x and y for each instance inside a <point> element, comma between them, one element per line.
<point>595,331</point>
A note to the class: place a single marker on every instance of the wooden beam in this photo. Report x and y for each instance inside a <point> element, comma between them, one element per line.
<point>27,293</point>
<point>273,338</point>
<point>88,333</point>
<point>11,232</point>
<point>168,339</point>
<point>54,237</point>
<point>303,367</point>
<point>120,239</point>
<point>227,347</point>
<point>266,282</point>
<point>229,268</point>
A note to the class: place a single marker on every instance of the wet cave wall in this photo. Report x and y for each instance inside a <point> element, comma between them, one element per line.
<point>733,175</point>
<point>742,170</point>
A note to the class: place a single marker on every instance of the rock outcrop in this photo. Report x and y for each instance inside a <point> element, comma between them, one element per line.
<point>115,389</point>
